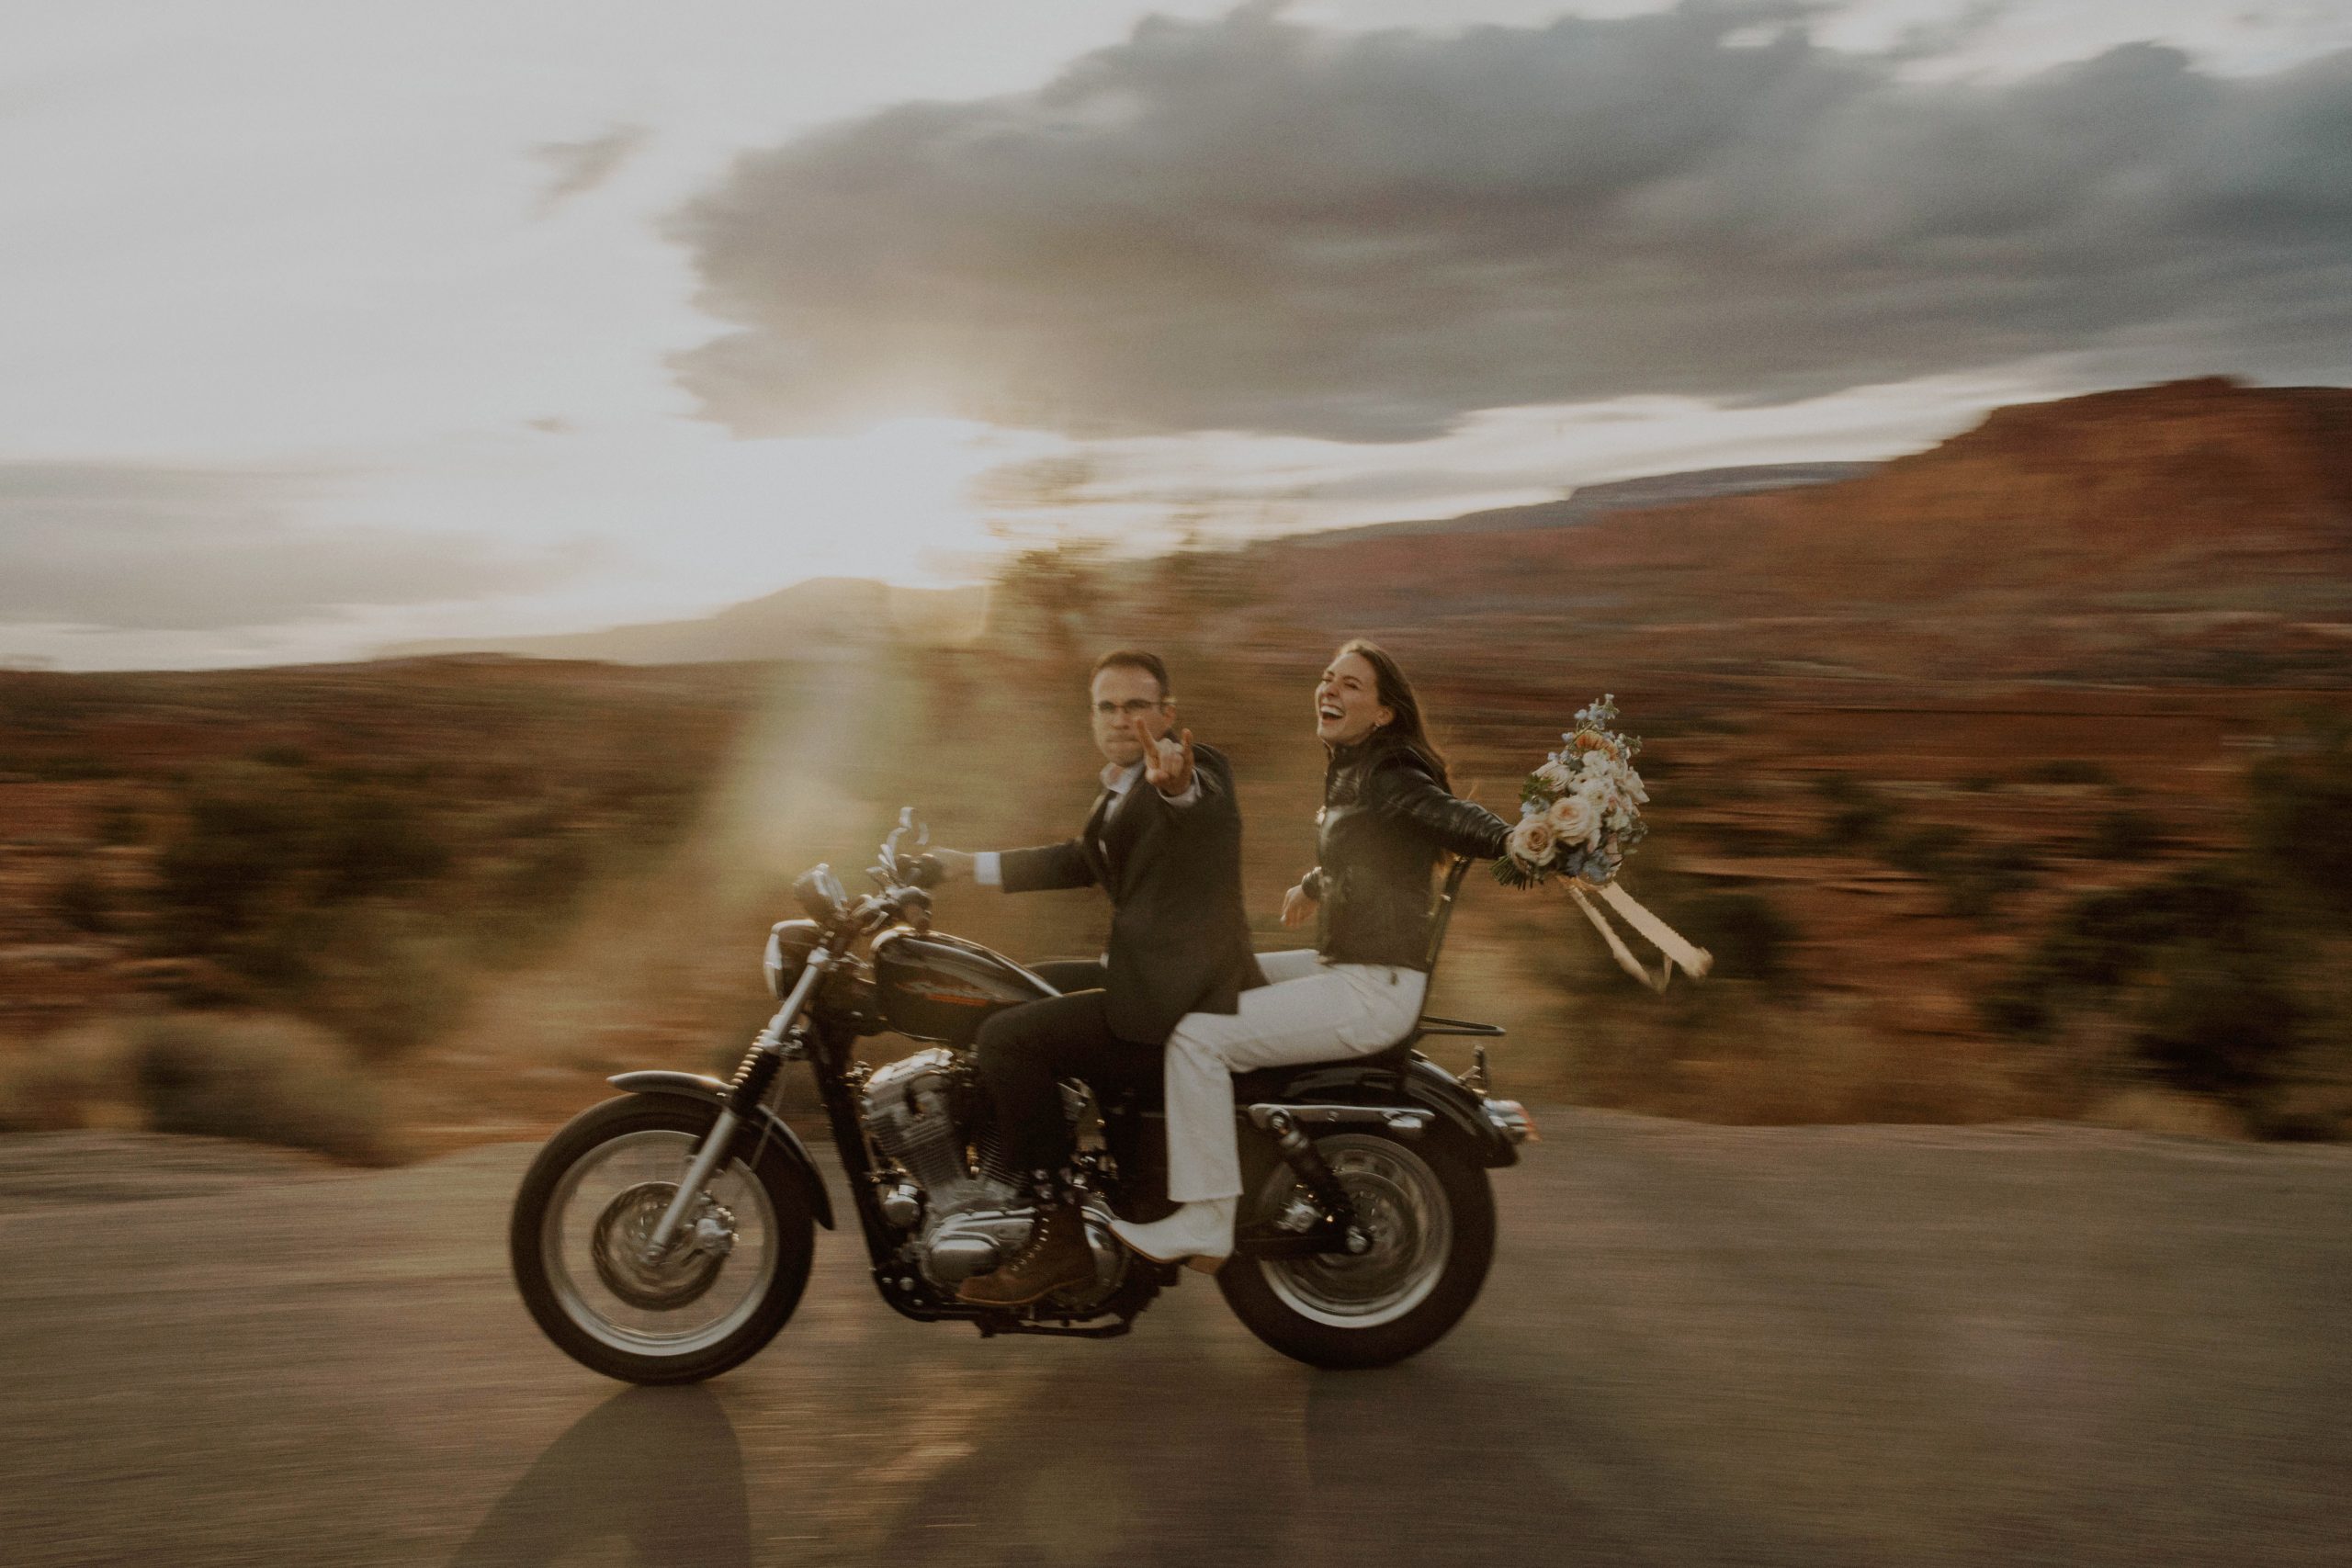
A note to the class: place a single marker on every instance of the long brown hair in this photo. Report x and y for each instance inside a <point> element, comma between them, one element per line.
<point>1396,694</point>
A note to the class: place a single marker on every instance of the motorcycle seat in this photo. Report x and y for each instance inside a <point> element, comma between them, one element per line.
<point>1271,1083</point>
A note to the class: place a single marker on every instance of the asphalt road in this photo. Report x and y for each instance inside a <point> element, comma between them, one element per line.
<point>1812,1347</point>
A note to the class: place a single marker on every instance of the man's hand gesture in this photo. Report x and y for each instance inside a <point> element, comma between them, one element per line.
<point>1167,764</point>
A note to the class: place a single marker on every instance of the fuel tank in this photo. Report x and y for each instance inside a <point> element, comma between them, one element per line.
<point>941,988</point>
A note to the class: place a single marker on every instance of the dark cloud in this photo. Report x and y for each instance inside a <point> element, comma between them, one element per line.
<point>156,549</point>
<point>1251,225</point>
<point>576,168</point>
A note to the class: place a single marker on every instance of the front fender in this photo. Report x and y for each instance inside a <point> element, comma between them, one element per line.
<point>1416,1082</point>
<point>763,1123</point>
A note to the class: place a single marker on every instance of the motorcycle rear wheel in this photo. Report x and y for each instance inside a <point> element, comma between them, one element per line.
<point>1432,1216</point>
<point>718,1296</point>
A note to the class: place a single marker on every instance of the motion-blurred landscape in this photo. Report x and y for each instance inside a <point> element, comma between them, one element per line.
<point>2009,779</point>
<point>484,504</point>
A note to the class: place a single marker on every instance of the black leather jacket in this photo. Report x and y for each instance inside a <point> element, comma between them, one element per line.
<point>1385,819</point>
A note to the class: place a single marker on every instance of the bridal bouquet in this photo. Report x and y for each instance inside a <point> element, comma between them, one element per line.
<point>1579,818</point>
<point>1579,814</point>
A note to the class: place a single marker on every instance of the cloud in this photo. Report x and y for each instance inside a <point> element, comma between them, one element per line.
<point>175,549</point>
<point>578,167</point>
<point>1250,225</point>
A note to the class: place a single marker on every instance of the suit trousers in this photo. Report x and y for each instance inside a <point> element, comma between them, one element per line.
<point>1307,1012</point>
<point>1026,1051</point>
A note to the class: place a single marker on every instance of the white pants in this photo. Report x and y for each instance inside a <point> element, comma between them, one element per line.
<point>1307,1012</point>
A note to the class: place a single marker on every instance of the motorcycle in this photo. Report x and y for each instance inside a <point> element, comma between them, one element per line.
<point>666,1236</point>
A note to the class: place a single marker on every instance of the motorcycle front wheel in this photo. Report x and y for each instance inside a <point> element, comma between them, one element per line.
<point>1431,1216</point>
<point>728,1280</point>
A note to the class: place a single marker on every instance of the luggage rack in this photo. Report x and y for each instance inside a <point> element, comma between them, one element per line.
<point>1432,1024</point>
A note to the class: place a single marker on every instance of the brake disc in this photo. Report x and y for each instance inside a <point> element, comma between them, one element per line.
<point>679,1276</point>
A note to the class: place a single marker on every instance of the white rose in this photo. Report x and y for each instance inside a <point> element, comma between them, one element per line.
<point>1553,776</point>
<point>1533,842</point>
<point>1574,818</point>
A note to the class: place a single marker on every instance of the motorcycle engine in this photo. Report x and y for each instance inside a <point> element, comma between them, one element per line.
<point>964,1212</point>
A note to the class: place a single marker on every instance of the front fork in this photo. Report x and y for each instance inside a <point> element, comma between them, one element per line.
<point>752,1081</point>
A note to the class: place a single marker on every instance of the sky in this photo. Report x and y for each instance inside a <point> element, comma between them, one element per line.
<point>326,327</point>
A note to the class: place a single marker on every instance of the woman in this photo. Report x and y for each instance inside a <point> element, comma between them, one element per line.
<point>1388,816</point>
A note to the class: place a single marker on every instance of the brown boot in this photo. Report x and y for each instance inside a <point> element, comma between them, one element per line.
<point>1055,1256</point>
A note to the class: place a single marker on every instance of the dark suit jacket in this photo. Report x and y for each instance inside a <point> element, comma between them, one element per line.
<point>1179,938</point>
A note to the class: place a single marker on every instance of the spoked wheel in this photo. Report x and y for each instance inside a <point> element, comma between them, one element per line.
<point>584,1218</point>
<point>1431,1216</point>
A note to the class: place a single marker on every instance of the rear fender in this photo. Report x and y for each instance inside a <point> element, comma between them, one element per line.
<point>1415,1082</point>
<point>764,1121</point>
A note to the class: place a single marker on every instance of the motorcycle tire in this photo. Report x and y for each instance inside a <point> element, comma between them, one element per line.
<point>1431,1213</point>
<point>565,1296</point>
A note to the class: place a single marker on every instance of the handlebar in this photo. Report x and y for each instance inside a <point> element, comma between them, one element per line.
<point>904,884</point>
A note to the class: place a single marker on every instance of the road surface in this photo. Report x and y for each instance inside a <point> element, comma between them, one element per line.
<point>1812,1347</point>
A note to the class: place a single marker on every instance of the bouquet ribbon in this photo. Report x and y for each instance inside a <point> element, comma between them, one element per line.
<point>1694,960</point>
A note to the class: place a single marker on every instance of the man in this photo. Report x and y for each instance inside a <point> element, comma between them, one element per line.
<point>1164,840</point>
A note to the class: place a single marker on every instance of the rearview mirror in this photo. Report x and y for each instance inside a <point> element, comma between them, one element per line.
<point>819,893</point>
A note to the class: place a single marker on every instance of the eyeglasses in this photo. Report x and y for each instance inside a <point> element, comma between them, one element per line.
<point>1133,707</point>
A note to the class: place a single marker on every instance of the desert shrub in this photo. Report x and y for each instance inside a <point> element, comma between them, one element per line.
<point>357,849</point>
<point>120,823</point>
<point>247,841</point>
<point>1927,848</point>
<point>85,903</point>
<point>2213,1019</point>
<point>2020,1005</point>
<point>69,767</point>
<point>2123,834</point>
<point>267,1080</point>
<point>1748,935</point>
<point>1973,877</point>
<point>374,840</point>
<point>2106,936</point>
<point>1859,814</point>
<point>258,841</point>
<point>1976,877</point>
<point>2299,821</point>
<point>2196,962</point>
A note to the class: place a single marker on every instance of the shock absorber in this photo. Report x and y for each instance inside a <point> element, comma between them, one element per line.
<point>1307,1160</point>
